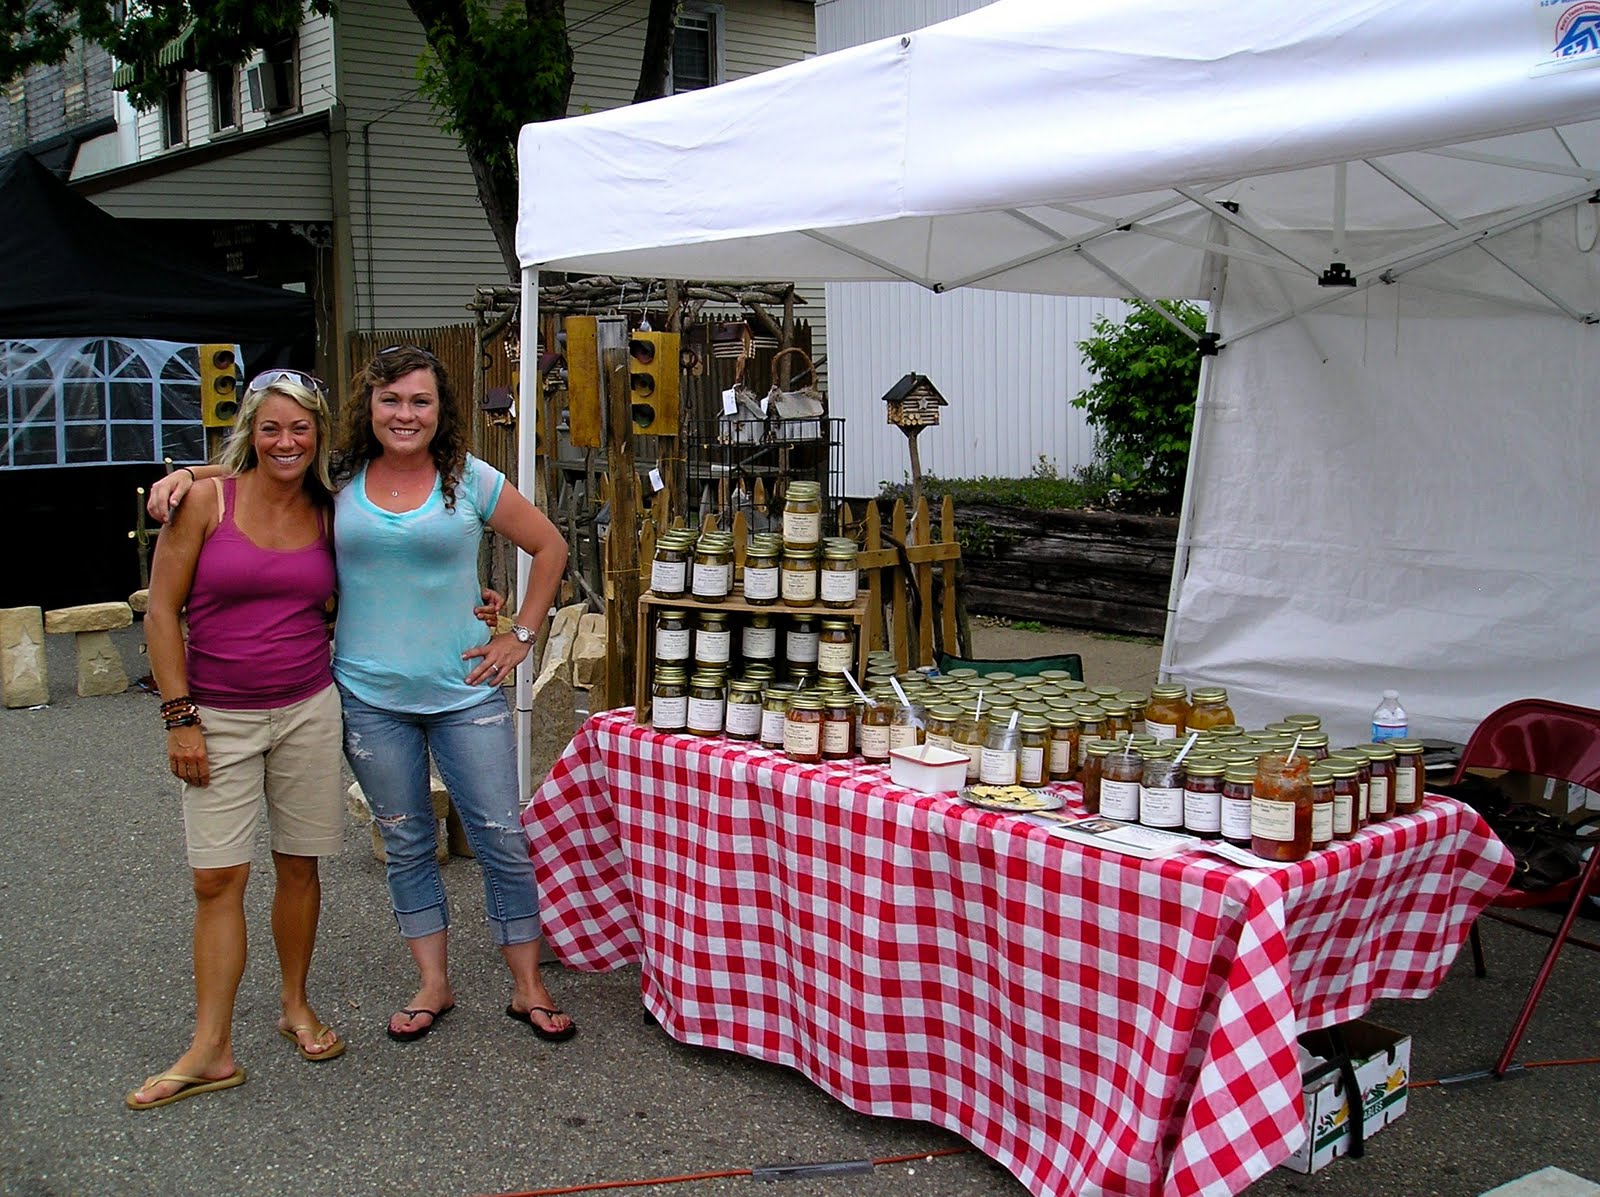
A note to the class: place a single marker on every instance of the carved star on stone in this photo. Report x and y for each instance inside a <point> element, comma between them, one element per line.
<point>25,657</point>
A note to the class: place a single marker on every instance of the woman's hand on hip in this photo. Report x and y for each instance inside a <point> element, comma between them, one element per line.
<point>186,756</point>
<point>500,658</point>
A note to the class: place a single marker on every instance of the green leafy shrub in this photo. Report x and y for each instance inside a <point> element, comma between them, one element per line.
<point>1142,405</point>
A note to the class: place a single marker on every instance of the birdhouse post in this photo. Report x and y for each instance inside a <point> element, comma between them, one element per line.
<point>913,404</point>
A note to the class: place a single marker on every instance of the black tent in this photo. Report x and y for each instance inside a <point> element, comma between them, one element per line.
<point>72,271</point>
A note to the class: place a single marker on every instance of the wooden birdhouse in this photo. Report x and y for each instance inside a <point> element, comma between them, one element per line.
<point>914,402</point>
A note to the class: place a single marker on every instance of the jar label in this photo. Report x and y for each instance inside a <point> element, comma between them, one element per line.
<point>1343,810</point>
<point>772,727</point>
<point>1161,731</point>
<point>1235,818</point>
<point>1361,804</point>
<point>1030,764</point>
<point>744,718</point>
<point>802,739</point>
<point>1405,787</point>
<point>839,586</point>
<point>1159,806</point>
<point>760,644</point>
<point>761,583</point>
<point>1060,758</point>
<point>834,658</point>
<point>998,767</point>
<point>1378,796</point>
<point>672,645</point>
<point>712,581</point>
<point>1120,800</point>
<point>939,740</point>
<point>802,527</point>
<point>974,758</point>
<point>667,577</point>
<point>836,737</point>
<point>1202,811</point>
<point>802,647</point>
<point>874,742</point>
<point>1322,823</point>
<point>712,647</point>
<point>799,585</point>
<point>902,735</point>
<point>705,714</point>
<point>670,714</point>
<point>1272,820</point>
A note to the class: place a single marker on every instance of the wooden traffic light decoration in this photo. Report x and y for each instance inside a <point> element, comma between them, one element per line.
<point>653,382</point>
<point>219,385</point>
<point>584,427</point>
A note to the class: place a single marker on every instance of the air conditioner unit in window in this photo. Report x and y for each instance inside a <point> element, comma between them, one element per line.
<point>269,86</point>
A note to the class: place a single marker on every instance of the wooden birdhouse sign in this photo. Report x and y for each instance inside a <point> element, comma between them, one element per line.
<point>914,402</point>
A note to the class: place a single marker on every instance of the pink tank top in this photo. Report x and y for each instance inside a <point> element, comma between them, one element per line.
<point>257,635</point>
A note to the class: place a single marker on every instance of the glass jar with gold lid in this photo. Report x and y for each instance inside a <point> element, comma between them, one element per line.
<point>802,727</point>
<point>838,722</point>
<point>873,735</point>
<point>705,714</point>
<point>674,637</point>
<point>1118,719</point>
<point>942,720</point>
<point>1410,775</point>
<point>799,585</point>
<point>742,717</point>
<point>774,708</point>
<point>712,577</point>
<point>713,641</point>
<point>802,515</point>
<point>1033,750</point>
<point>1166,715</point>
<point>669,568</point>
<point>758,638</point>
<point>836,647</point>
<point>839,581</point>
<point>1209,708</point>
<point>762,561</point>
<point>800,643</point>
<point>1062,764</point>
<point>669,699</point>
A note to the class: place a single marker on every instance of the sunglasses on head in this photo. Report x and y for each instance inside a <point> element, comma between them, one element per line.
<point>299,377</point>
<point>417,349</point>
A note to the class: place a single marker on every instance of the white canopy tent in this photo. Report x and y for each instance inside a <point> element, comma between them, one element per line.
<point>1390,207</point>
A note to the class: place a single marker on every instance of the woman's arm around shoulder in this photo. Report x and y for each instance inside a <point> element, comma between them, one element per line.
<point>168,492</point>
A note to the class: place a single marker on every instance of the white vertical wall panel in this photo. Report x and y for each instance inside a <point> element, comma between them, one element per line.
<point>987,352</point>
<point>1008,365</point>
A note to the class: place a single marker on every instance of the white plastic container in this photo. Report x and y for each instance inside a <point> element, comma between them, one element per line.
<point>928,769</point>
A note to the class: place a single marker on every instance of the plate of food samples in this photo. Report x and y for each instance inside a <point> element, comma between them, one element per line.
<point>1018,799</point>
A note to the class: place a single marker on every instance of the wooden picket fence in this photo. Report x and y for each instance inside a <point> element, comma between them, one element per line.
<point>910,576</point>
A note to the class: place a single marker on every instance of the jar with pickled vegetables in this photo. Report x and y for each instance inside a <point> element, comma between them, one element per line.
<point>774,708</point>
<point>1166,715</point>
<point>799,585</point>
<point>1208,708</point>
<point>758,639</point>
<point>669,699</point>
<point>713,567</point>
<point>802,515</point>
<point>802,728</point>
<point>761,569</point>
<point>742,717</point>
<point>1033,750</point>
<point>705,714</point>
<point>674,638</point>
<point>1280,808</point>
<point>800,644</point>
<point>669,568</point>
<point>838,583</point>
<point>712,641</point>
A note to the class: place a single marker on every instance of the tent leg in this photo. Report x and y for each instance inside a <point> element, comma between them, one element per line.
<point>527,482</point>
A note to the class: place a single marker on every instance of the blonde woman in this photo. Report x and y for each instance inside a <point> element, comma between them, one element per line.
<point>251,711</point>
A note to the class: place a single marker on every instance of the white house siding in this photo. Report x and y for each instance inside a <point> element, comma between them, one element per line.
<point>421,241</point>
<point>1009,399</point>
<point>987,352</point>
<point>286,180</point>
<point>757,35</point>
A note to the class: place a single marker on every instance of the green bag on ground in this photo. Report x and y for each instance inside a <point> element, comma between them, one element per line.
<point>1022,667</point>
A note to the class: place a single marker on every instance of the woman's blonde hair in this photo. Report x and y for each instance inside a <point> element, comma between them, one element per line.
<point>239,451</point>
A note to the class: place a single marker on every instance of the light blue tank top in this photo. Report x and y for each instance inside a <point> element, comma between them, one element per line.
<point>407,585</point>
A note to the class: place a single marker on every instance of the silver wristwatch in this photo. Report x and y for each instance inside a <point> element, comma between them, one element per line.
<point>521,633</point>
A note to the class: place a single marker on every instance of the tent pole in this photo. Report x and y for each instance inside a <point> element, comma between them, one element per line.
<point>528,401</point>
<point>1202,404</point>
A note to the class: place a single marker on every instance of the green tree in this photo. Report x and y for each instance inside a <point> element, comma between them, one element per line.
<point>1142,401</point>
<point>489,67</point>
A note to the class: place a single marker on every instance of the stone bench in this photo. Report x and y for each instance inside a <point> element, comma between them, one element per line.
<point>23,676</point>
<point>100,669</point>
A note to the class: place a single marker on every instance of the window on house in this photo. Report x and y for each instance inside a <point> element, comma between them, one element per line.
<point>172,131</point>
<point>16,114</point>
<point>697,49</point>
<point>224,99</point>
<point>75,84</point>
<point>273,82</point>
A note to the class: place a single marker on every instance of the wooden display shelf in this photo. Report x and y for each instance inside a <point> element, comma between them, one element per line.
<point>650,605</point>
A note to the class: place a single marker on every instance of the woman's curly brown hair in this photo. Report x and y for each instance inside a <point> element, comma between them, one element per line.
<point>360,445</point>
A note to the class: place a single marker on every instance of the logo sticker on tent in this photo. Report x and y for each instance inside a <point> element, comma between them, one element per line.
<point>1570,30</point>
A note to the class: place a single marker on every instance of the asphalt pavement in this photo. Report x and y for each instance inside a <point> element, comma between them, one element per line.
<point>95,994</point>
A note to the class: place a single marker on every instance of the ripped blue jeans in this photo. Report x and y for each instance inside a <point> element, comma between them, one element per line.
<point>475,753</point>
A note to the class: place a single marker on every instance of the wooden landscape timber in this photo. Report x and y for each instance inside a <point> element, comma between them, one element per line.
<point>1097,570</point>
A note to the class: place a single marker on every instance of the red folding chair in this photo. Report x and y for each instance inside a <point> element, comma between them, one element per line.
<point>1546,739</point>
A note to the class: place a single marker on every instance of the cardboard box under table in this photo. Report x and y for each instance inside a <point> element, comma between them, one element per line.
<point>1381,1063</point>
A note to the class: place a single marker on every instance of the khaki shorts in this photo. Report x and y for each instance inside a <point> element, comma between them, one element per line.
<point>289,756</point>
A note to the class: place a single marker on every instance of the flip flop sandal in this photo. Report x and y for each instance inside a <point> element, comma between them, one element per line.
<point>191,1085</point>
<point>317,1031</point>
<point>526,1017</point>
<point>433,1021</point>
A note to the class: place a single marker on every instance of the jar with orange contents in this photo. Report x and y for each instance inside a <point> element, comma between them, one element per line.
<point>1209,708</point>
<point>1280,807</point>
<point>1166,715</point>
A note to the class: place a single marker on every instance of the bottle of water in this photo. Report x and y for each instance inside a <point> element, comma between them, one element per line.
<point>1389,720</point>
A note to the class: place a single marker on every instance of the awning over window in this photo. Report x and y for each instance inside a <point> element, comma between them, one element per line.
<point>173,54</point>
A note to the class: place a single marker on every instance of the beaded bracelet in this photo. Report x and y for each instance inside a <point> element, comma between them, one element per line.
<point>178,721</point>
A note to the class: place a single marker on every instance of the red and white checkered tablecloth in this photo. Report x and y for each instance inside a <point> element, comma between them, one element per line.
<point>1095,1022</point>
